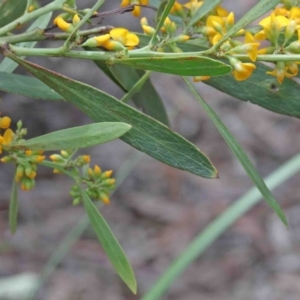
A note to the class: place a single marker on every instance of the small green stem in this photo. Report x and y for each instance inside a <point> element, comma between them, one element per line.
<point>36,34</point>
<point>58,52</point>
<point>55,5</point>
<point>54,165</point>
<point>106,55</point>
<point>101,55</point>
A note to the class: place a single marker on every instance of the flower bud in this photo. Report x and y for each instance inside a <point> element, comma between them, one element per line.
<point>29,172</point>
<point>108,181</point>
<point>104,198</point>
<point>5,122</point>
<point>76,201</point>
<point>6,159</point>
<point>97,170</point>
<point>56,158</point>
<point>181,38</point>
<point>64,154</point>
<point>37,158</point>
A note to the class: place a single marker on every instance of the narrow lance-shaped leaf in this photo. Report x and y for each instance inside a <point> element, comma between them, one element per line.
<point>13,207</point>
<point>263,90</point>
<point>27,86</point>
<point>240,154</point>
<point>148,99</point>
<point>147,134</point>
<point>161,8</point>
<point>109,243</point>
<point>161,17</point>
<point>184,66</point>
<point>76,137</point>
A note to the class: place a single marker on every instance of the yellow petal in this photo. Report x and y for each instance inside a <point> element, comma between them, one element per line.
<point>119,34</point>
<point>102,39</point>
<point>211,19</point>
<point>249,38</point>
<point>243,71</point>
<point>125,3</point>
<point>8,136</point>
<point>136,11</point>
<point>62,24</point>
<point>131,40</point>
<point>222,12</point>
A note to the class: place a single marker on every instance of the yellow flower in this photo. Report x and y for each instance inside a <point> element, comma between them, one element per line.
<point>281,11</point>
<point>193,5</point>
<point>242,71</point>
<point>124,37</point>
<point>281,71</point>
<point>62,24</point>
<point>221,11</point>
<point>274,22</point>
<point>116,40</point>
<point>177,10</point>
<point>169,26</point>
<point>272,26</point>
<point>248,47</point>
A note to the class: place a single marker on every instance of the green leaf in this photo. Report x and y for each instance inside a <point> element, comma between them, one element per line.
<point>26,86</point>
<point>162,13</point>
<point>76,137</point>
<point>11,10</point>
<point>263,90</point>
<point>240,154</point>
<point>109,243</point>
<point>253,14</point>
<point>147,99</point>
<point>204,9</point>
<point>8,65</point>
<point>13,208</point>
<point>146,135</point>
<point>184,66</point>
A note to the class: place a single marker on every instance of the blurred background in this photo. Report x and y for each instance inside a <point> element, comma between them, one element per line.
<point>157,210</point>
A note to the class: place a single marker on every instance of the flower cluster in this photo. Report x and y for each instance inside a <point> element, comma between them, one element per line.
<point>98,185</point>
<point>281,29</point>
<point>26,161</point>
